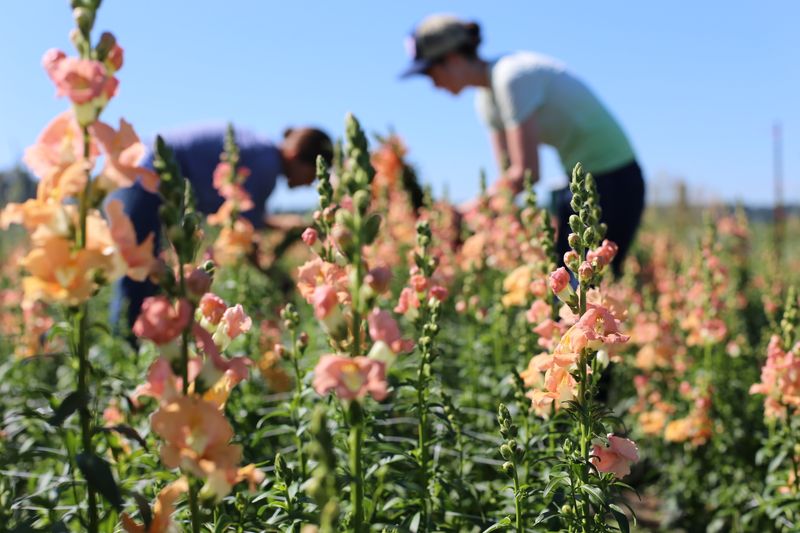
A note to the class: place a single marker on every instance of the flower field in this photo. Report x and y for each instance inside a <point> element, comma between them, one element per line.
<point>394,368</point>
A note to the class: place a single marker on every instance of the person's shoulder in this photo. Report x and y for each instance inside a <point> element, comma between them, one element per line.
<point>519,64</point>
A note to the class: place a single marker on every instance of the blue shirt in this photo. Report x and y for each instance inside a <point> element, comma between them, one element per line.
<point>197,150</point>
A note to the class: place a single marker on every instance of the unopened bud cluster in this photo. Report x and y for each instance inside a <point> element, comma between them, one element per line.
<point>177,211</point>
<point>510,450</point>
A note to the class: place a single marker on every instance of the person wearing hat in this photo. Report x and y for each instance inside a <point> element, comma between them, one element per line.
<point>197,151</point>
<point>526,99</point>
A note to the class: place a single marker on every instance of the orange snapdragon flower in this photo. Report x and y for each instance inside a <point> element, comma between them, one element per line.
<point>162,510</point>
<point>234,242</point>
<point>123,152</point>
<point>316,272</point>
<point>196,439</point>
<point>57,158</point>
<point>517,286</point>
<point>60,274</point>
<point>138,257</point>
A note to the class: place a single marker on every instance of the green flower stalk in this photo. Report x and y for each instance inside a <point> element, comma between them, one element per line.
<point>299,343</point>
<point>322,487</point>
<point>513,456</point>
<point>181,223</point>
<point>427,329</point>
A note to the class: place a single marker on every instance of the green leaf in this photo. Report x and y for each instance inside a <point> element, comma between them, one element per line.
<point>69,405</point>
<point>126,430</point>
<point>98,474</point>
<point>620,517</point>
<point>594,493</point>
<point>502,524</point>
<point>554,482</point>
<point>371,227</point>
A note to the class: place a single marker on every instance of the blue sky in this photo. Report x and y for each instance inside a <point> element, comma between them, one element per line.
<point>697,85</point>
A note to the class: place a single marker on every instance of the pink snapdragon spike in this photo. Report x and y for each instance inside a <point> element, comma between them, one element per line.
<point>350,378</point>
<point>439,292</point>
<point>559,283</point>
<point>161,321</point>
<point>212,307</point>
<point>418,282</point>
<point>115,58</point>
<point>81,80</point>
<point>235,321</point>
<point>162,383</point>
<point>604,254</point>
<point>616,457</point>
<point>198,281</point>
<point>58,149</point>
<point>378,279</point>
<point>595,328</point>
<point>383,327</point>
<point>324,301</point>
<point>407,301</point>
<point>780,379</point>
<point>238,368</point>
<point>310,236</point>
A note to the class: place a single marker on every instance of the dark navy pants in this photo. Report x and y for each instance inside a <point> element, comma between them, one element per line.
<point>622,201</point>
<point>141,207</point>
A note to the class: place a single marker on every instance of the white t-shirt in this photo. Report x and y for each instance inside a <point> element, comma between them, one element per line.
<point>568,116</point>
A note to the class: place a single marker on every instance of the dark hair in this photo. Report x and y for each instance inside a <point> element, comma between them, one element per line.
<point>308,143</point>
<point>470,49</point>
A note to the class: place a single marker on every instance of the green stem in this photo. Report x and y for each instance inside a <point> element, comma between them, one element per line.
<point>193,503</point>
<point>81,348</point>
<point>298,395</point>
<point>83,412</point>
<point>585,404</point>
<point>518,503</point>
<point>422,430</point>
<point>357,481</point>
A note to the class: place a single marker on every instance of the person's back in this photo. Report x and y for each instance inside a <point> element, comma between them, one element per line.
<point>569,116</point>
<point>197,150</point>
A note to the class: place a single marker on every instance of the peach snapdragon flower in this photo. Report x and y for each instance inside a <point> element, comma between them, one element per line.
<point>57,158</point>
<point>161,321</point>
<point>316,272</point>
<point>234,242</point>
<point>517,286</point>
<point>196,439</point>
<point>350,378</point>
<point>138,257</point>
<point>780,379</point>
<point>60,274</point>
<point>161,520</point>
<point>123,153</point>
<point>615,457</point>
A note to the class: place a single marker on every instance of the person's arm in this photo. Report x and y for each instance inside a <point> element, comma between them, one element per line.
<point>500,149</point>
<point>522,145</point>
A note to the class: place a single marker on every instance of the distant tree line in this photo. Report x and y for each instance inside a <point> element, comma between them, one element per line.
<point>16,185</point>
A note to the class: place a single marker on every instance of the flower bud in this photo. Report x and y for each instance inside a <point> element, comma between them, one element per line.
<point>571,259</point>
<point>310,236</point>
<point>508,468</point>
<point>198,282</point>
<point>505,452</point>
<point>585,272</point>
<point>574,223</point>
<point>302,339</point>
<point>574,240</point>
<point>361,200</point>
